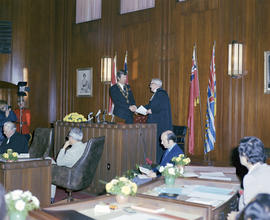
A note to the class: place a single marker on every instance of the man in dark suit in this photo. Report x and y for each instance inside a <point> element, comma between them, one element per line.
<point>159,112</point>
<point>14,140</point>
<point>123,99</point>
<point>168,140</point>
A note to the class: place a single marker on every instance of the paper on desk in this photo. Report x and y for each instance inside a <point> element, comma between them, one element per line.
<point>141,110</point>
<point>24,155</point>
<point>140,216</point>
<point>204,201</point>
<point>145,170</point>
<point>215,178</point>
<point>143,176</point>
<point>212,173</point>
<point>190,174</point>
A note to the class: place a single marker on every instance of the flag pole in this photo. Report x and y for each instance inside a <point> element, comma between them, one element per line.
<point>205,159</point>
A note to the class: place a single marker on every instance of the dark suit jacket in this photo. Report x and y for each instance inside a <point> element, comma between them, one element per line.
<point>174,152</point>
<point>17,143</point>
<point>121,107</point>
<point>161,111</point>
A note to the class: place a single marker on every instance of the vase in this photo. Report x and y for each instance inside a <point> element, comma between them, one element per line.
<point>121,199</point>
<point>17,215</point>
<point>169,180</point>
<point>181,169</point>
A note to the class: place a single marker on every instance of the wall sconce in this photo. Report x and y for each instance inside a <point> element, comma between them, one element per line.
<point>235,59</point>
<point>106,69</point>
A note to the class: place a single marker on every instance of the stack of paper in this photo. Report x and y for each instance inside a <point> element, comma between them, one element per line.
<point>214,176</point>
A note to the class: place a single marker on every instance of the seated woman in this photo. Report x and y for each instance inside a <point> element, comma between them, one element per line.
<point>252,156</point>
<point>68,156</point>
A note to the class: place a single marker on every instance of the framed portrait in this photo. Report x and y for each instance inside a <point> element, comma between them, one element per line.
<point>266,72</point>
<point>85,81</point>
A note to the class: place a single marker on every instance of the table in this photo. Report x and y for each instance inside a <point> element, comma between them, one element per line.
<point>218,197</point>
<point>28,174</point>
<point>172,209</point>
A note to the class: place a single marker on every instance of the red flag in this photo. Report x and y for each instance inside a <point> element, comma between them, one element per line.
<point>113,81</point>
<point>193,101</point>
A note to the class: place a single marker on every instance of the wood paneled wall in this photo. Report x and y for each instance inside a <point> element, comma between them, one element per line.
<point>159,43</point>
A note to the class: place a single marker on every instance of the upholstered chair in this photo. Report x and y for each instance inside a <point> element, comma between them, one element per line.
<point>180,132</point>
<point>42,144</point>
<point>82,173</point>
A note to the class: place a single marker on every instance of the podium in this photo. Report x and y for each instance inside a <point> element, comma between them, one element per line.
<point>28,174</point>
<point>125,146</point>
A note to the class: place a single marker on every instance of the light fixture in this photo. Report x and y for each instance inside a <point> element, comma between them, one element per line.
<point>106,69</point>
<point>235,59</point>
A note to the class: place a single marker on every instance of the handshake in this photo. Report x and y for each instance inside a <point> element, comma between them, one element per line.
<point>141,110</point>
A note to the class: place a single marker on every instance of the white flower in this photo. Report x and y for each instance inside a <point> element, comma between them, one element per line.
<point>27,195</point>
<point>171,171</point>
<point>16,194</point>
<point>169,165</point>
<point>35,201</point>
<point>19,205</point>
<point>161,169</point>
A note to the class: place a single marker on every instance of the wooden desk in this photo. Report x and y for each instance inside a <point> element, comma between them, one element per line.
<point>179,212</point>
<point>125,146</point>
<point>32,175</point>
<point>214,212</point>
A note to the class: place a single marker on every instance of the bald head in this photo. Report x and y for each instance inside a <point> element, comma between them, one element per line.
<point>168,139</point>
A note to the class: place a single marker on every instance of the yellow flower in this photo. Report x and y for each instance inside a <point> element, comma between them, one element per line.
<point>109,186</point>
<point>181,155</point>
<point>124,179</point>
<point>15,154</point>
<point>134,187</point>
<point>125,190</point>
<point>9,151</point>
<point>5,155</point>
<point>178,159</point>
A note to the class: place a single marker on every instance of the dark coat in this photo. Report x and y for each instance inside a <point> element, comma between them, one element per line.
<point>121,104</point>
<point>174,152</point>
<point>3,119</point>
<point>17,143</point>
<point>161,111</point>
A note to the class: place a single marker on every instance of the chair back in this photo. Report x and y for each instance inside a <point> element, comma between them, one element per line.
<point>180,132</point>
<point>82,173</point>
<point>42,144</point>
<point>85,168</point>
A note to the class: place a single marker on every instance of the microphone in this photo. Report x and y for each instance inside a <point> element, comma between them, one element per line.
<point>97,116</point>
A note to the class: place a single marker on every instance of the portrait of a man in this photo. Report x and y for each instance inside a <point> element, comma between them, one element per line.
<point>84,82</point>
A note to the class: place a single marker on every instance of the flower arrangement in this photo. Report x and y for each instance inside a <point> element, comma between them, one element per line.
<point>21,201</point>
<point>74,117</point>
<point>10,155</point>
<point>169,170</point>
<point>121,186</point>
<point>181,160</point>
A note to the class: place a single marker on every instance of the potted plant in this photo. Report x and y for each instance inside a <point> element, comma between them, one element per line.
<point>181,161</point>
<point>10,156</point>
<point>170,172</point>
<point>19,203</point>
<point>122,187</point>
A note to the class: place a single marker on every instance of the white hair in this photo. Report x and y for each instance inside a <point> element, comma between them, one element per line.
<point>10,125</point>
<point>76,134</point>
<point>156,81</point>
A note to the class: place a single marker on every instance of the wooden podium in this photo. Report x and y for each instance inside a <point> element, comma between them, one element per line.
<point>28,174</point>
<point>125,146</point>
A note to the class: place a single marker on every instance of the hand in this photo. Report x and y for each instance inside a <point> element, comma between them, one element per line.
<point>149,111</point>
<point>232,215</point>
<point>152,174</point>
<point>133,108</point>
<point>7,112</point>
<point>66,144</point>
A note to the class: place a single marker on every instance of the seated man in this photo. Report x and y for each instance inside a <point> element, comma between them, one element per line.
<point>252,156</point>
<point>14,140</point>
<point>168,140</point>
<point>69,156</point>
